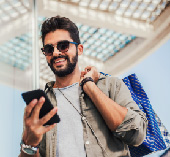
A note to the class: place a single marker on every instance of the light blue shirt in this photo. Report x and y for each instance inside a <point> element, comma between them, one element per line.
<point>70,129</point>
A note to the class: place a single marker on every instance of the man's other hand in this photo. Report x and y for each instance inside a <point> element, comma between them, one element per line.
<point>90,71</point>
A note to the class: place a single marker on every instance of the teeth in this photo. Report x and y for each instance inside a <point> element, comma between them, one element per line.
<point>60,60</point>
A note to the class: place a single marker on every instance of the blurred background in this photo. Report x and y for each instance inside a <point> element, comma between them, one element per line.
<point>120,37</point>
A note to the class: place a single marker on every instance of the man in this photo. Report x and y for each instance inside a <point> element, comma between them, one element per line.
<point>98,116</point>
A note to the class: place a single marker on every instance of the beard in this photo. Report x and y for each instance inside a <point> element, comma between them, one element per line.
<point>69,67</point>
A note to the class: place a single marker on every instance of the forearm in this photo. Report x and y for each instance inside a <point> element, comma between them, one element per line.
<point>112,112</point>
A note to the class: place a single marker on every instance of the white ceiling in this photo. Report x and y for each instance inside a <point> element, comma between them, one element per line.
<point>117,34</point>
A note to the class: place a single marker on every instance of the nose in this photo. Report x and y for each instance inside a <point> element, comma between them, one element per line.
<point>56,51</point>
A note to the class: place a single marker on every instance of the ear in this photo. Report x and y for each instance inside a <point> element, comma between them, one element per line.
<point>80,49</point>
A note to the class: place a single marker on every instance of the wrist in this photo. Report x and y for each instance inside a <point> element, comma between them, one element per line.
<point>88,86</point>
<point>27,141</point>
<point>28,149</point>
<point>86,81</point>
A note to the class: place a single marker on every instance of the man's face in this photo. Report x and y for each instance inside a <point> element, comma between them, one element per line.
<point>60,63</point>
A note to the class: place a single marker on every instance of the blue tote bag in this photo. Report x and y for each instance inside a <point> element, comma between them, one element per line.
<point>157,137</point>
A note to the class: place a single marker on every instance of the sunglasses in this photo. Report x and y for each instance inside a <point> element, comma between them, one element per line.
<point>62,46</point>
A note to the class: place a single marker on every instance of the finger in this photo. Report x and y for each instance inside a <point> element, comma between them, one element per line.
<point>37,108</point>
<point>29,108</point>
<point>89,68</point>
<point>83,73</point>
<point>48,116</point>
<point>93,69</point>
<point>48,128</point>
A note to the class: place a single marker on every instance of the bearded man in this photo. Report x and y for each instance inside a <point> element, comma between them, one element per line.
<point>98,116</point>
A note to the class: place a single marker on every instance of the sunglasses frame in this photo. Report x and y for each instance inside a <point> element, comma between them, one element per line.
<point>50,54</point>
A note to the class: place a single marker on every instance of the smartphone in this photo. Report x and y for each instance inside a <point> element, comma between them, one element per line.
<point>47,106</point>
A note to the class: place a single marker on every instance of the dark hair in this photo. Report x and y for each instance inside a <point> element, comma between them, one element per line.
<point>57,22</point>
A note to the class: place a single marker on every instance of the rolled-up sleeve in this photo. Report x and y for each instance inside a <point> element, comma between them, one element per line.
<point>133,129</point>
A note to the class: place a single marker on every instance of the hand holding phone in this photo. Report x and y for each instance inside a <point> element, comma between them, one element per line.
<point>47,106</point>
<point>34,125</point>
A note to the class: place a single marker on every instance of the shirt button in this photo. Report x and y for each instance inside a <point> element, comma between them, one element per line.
<point>87,142</point>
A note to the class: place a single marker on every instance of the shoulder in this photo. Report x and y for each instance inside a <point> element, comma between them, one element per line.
<point>109,84</point>
<point>109,81</point>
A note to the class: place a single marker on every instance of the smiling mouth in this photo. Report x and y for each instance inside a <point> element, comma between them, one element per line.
<point>58,61</point>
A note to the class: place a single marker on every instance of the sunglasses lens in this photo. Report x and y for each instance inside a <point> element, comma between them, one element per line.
<point>63,46</point>
<point>48,49</point>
